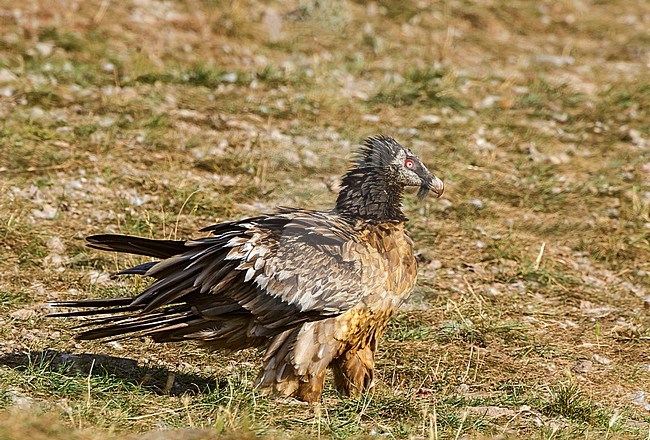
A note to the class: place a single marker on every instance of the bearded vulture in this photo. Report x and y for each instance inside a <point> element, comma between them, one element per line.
<point>312,289</point>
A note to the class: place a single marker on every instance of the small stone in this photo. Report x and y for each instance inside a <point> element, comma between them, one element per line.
<point>22,314</point>
<point>476,203</point>
<point>99,278</point>
<point>44,49</point>
<point>46,212</point>
<point>602,360</point>
<point>430,119</point>
<point>558,159</point>
<point>272,22</point>
<point>55,244</point>
<point>493,291</point>
<point>637,138</point>
<point>19,399</point>
<point>583,367</point>
<point>230,77</point>
<point>639,399</point>
<point>191,115</point>
<point>556,60</point>
<point>7,76</point>
<point>107,121</point>
<point>36,113</point>
<point>55,260</point>
<point>115,345</point>
<point>590,309</point>
<point>489,101</point>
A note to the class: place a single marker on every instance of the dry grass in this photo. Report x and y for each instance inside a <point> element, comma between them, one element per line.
<point>159,117</point>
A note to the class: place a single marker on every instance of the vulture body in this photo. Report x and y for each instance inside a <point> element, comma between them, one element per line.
<point>314,289</point>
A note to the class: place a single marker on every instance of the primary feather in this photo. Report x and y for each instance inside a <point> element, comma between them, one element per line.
<point>315,289</point>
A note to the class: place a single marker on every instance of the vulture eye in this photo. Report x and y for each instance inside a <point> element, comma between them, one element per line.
<point>409,164</point>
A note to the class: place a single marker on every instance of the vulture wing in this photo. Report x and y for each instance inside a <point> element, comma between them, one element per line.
<point>281,269</point>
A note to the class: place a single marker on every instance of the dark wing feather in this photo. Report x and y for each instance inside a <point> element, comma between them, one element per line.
<point>299,262</point>
<point>297,265</point>
<point>262,274</point>
<point>136,245</point>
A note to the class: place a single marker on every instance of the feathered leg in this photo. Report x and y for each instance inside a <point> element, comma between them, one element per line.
<point>296,361</point>
<point>353,371</point>
<point>311,390</point>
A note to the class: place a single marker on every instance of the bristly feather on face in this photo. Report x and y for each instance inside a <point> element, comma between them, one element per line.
<point>406,168</point>
<point>373,187</point>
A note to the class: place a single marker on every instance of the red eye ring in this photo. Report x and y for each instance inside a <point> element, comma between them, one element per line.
<point>409,164</point>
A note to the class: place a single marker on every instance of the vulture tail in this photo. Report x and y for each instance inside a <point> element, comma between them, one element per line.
<point>121,317</point>
<point>117,318</point>
<point>137,245</point>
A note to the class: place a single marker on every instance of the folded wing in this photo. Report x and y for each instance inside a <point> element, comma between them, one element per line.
<point>266,273</point>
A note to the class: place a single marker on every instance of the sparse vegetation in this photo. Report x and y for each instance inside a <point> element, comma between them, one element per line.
<point>567,401</point>
<point>530,319</point>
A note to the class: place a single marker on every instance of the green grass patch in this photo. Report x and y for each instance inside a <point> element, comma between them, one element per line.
<point>426,87</point>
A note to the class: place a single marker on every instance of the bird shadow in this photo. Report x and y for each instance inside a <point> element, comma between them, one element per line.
<point>158,380</point>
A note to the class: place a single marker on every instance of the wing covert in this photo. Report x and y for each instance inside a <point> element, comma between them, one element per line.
<point>304,266</point>
<point>293,266</point>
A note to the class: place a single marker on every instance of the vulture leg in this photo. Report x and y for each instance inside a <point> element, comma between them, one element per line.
<point>296,362</point>
<point>353,371</point>
<point>311,390</point>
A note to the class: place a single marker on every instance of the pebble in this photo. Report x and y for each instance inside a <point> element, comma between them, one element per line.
<point>7,76</point>
<point>44,49</point>
<point>19,400</point>
<point>22,314</point>
<point>601,359</point>
<point>584,367</point>
<point>476,203</point>
<point>639,399</point>
<point>230,77</point>
<point>430,119</point>
<point>46,212</point>
<point>55,244</point>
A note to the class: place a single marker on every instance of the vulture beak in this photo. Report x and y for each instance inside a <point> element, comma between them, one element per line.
<point>431,183</point>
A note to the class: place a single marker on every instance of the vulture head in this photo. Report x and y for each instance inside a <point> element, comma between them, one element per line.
<point>387,156</point>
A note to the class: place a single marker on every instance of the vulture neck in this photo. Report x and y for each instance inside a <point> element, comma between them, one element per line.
<point>369,193</point>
